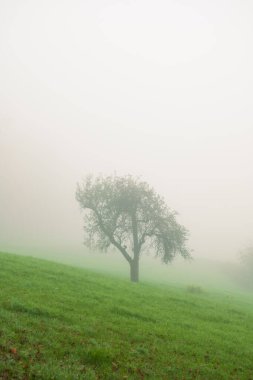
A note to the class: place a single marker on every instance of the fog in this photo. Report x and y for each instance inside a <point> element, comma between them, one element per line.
<point>159,89</point>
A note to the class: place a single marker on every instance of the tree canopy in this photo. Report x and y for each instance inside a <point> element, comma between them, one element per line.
<point>128,214</point>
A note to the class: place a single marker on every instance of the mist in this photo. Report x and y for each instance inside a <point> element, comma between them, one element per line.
<point>124,125</point>
<point>162,90</point>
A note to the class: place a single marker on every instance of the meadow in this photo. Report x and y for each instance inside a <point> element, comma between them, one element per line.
<point>63,322</point>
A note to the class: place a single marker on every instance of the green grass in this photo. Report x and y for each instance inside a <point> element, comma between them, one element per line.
<point>59,322</point>
<point>200,272</point>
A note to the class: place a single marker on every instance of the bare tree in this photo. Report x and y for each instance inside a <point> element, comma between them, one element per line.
<point>128,214</point>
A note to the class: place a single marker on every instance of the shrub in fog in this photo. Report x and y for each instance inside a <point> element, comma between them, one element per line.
<point>195,289</point>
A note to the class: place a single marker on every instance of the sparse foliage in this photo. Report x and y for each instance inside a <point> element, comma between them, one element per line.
<point>126,213</point>
<point>246,256</point>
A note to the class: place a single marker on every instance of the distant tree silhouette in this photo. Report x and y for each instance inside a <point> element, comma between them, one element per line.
<point>246,258</point>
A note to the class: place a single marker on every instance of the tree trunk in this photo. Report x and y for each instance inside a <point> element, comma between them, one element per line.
<point>134,270</point>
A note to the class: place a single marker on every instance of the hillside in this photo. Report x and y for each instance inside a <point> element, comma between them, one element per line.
<point>208,273</point>
<point>59,322</point>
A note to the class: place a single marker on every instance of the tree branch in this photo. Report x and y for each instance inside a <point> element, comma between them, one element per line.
<point>112,239</point>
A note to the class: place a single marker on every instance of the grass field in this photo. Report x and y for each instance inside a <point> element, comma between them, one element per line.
<point>59,322</point>
<point>200,271</point>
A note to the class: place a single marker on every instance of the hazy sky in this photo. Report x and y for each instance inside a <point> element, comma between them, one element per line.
<point>161,89</point>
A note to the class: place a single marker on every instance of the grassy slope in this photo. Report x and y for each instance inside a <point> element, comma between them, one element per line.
<point>58,322</point>
<point>206,273</point>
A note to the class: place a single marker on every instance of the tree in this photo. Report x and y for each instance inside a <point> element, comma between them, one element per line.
<point>128,214</point>
<point>246,258</point>
<point>246,272</point>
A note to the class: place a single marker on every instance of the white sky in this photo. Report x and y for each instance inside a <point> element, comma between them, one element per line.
<point>161,89</point>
